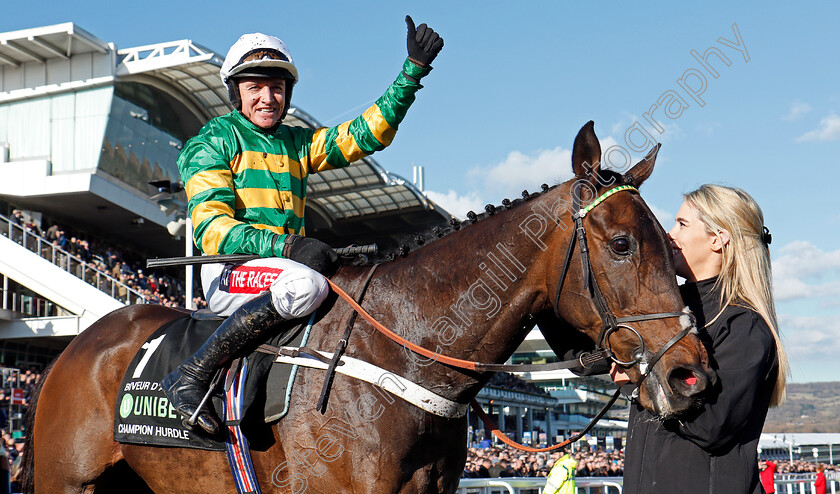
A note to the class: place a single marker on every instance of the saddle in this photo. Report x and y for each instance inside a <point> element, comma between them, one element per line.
<point>144,415</point>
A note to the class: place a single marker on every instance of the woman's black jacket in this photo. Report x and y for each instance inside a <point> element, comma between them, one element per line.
<point>711,449</point>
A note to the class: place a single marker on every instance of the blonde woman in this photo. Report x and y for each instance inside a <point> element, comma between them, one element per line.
<point>720,247</point>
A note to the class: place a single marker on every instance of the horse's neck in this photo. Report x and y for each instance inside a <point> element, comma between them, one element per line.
<point>468,295</point>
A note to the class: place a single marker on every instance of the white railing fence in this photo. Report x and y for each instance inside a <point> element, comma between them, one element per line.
<point>785,484</point>
<point>70,263</point>
<point>803,483</point>
<point>534,485</point>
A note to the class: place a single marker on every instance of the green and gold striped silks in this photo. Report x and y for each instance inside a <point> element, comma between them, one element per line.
<point>246,185</point>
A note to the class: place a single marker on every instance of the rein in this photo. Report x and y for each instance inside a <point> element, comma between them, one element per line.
<point>603,350</point>
<point>585,360</point>
<point>493,428</point>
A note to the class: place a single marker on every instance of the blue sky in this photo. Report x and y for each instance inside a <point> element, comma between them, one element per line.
<point>514,84</point>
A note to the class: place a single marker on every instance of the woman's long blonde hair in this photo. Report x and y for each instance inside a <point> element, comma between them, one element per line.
<point>745,276</point>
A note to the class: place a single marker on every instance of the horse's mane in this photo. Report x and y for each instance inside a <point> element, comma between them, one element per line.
<point>414,241</point>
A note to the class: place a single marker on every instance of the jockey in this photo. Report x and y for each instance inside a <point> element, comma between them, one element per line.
<point>245,178</point>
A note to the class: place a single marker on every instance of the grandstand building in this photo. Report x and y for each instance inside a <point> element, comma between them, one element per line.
<point>548,407</point>
<point>86,126</point>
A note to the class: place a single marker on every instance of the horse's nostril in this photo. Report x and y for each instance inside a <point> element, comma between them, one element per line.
<point>686,381</point>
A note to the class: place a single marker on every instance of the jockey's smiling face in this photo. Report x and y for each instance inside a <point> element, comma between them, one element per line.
<point>263,100</point>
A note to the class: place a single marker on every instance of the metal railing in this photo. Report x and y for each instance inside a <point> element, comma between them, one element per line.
<point>534,485</point>
<point>70,263</point>
<point>785,484</point>
<point>803,483</point>
<point>30,305</point>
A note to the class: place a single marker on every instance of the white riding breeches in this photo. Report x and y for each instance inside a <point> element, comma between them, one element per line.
<point>296,290</point>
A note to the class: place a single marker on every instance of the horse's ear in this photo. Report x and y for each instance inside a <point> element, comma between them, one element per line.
<point>642,170</point>
<point>586,153</point>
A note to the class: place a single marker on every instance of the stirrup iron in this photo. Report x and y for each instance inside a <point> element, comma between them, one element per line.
<point>190,422</point>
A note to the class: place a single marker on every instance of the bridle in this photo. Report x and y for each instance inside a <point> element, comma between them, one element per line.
<point>609,322</point>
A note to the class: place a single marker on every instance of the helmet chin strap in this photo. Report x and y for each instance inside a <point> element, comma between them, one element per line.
<point>290,86</point>
<point>233,95</point>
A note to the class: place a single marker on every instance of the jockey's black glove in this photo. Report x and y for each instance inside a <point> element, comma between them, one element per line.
<point>424,43</point>
<point>311,252</point>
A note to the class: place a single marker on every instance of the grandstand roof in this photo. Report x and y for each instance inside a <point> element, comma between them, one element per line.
<point>190,67</point>
<point>363,203</point>
<point>783,440</point>
<point>43,43</point>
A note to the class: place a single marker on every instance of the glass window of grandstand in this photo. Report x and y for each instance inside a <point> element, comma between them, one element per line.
<point>146,130</point>
<point>65,129</point>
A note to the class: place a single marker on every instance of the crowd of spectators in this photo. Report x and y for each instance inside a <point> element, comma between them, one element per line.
<point>497,461</point>
<point>13,442</point>
<point>100,263</point>
<point>503,461</point>
<point>802,466</point>
<point>509,381</point>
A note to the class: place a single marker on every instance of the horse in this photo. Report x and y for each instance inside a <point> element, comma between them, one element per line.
<point>473,290</point>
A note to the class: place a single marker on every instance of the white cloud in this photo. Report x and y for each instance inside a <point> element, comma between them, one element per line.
<point>802,258</point>
<point>798,109</point>
<point>670,130</point>
<point>622,125</point>
<point>616,160</point>
<point>805,271</point>
<point>666,218</point>
<point>807,337</point>
<point>525,171</point>
<point>520,171</point>
<point>708,128</point>
<point>806,282</point>
<point>455,204</point>
<point>829,130</point>
<point>812,344</point>
<point>794,289</point>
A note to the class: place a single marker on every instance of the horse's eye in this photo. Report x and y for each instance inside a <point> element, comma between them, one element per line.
<point>620,245</point>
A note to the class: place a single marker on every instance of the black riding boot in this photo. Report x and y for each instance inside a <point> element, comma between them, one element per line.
<point>187,385</point>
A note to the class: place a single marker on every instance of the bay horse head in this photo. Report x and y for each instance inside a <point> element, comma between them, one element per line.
<point>626,298</point>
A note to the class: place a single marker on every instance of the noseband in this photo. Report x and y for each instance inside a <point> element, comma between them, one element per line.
<point>610,323</point>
